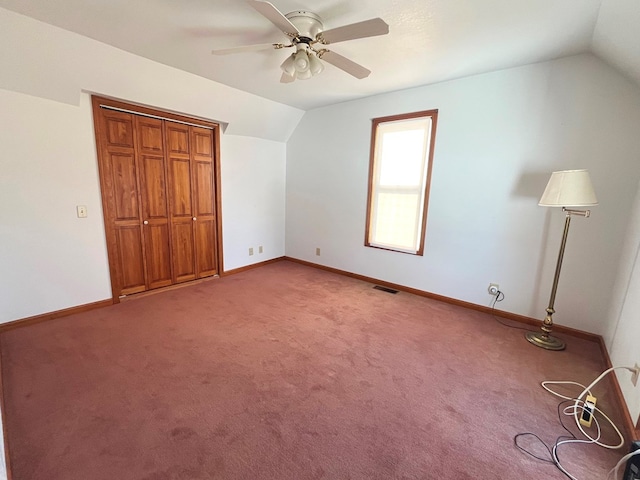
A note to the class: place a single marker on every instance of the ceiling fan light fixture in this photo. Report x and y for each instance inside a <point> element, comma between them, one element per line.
<point>304,29</point>
<point>289,65</point>
<point>315,65</point>
<point>304,75</point>
<point>301,60</point>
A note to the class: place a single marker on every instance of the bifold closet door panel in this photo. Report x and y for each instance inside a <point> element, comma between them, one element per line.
<point>204,201</point>
<point>206,240</point>
<point>153,189</point>
<point>120,178</point>
<point>132,270</point>
<point>181,216</point>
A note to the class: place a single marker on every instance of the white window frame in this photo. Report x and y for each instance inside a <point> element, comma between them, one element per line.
<point>396,122</point>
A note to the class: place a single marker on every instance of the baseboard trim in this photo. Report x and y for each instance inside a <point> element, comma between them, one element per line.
<point>23,322</point>
<point>7,458</point>
<point>233,271</point>
<point>632,432</point>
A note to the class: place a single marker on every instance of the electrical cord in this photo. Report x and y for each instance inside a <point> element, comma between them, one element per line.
<point>567,411</point>
<point>498,298</point>
<point>579,398</point>
<point>554,382</point>
<point>521,448</point>
<point>575,410</point>
<point>561,440</point>
<point>615,469</point>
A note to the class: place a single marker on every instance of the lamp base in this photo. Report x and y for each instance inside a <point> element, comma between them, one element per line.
<point>543,340</point>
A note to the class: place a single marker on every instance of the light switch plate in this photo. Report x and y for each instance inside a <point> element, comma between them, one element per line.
<point>82,211</point>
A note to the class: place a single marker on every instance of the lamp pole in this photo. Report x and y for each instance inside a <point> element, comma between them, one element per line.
<point>544,339</point>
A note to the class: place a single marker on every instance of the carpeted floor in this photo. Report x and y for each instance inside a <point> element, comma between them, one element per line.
<point>286,372</point>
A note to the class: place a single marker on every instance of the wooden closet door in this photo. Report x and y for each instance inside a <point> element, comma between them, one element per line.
<point>202,163</point>
<point>181,201</point>
<point>158,178</point>
<point>153,193</point>
<point>120,179</point>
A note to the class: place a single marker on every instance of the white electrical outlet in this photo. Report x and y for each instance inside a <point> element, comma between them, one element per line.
<point>250,251</point>
<point>493,289</point>
<point>260,250</point>
<point>634,375</point>
<point>318,251</point>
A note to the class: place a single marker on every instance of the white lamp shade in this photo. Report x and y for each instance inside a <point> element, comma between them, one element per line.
<point>569,188</point>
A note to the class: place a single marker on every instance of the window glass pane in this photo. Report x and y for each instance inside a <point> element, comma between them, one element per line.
<point>402,158</point>
<point>395,223</point>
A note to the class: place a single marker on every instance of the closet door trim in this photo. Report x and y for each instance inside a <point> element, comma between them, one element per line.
<point>157,117</point>
<point>99,103</point>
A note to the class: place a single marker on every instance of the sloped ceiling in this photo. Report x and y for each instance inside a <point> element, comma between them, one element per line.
<point>429,40</point>
<point>616,38</point>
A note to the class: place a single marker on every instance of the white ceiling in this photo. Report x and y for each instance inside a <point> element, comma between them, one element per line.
<point>429,40</point>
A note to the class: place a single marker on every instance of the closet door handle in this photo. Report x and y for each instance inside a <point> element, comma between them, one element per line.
<point>194,219</point>
<point>146,222</point>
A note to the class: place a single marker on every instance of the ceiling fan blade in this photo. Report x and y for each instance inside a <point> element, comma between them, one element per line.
<point>274,15</point>
<point>247,48</point>
<point>368,28</point>
<point>287,78</point>
<point>343,63</point>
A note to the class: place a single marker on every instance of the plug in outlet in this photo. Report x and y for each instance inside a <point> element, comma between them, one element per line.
<point>493,289</point>
<point>634,375</point>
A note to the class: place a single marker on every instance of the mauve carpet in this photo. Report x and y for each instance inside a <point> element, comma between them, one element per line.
<point>286,372</point>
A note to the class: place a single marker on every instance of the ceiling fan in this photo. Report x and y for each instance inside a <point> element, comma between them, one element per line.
<point>306,34</point>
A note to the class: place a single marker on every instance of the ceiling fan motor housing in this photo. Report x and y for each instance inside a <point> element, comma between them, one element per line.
<point>308,24</point>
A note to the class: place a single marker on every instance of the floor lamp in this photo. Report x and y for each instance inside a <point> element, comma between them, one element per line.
<point>568,188</point>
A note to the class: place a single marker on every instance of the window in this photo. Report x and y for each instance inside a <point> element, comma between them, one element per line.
<point>399,177</point>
